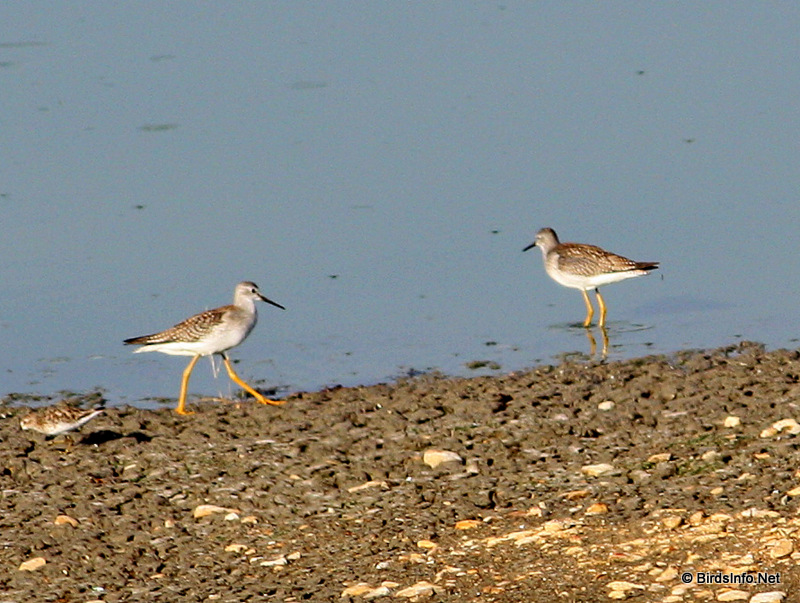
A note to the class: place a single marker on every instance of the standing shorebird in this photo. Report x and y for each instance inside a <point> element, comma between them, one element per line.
<point>585,267</point>
<point>55,420</point>
<point>211,332</point>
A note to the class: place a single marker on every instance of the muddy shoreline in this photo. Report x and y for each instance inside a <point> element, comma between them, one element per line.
<point>576,482</point>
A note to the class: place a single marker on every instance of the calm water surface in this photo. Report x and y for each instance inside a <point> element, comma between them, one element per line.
<point>377,168</point>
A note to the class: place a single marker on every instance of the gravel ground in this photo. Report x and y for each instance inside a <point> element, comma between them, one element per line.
<point>636,480</point>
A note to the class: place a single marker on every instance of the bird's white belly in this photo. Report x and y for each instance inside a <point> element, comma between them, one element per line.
<point>219,340</point>
<point>586,283</point>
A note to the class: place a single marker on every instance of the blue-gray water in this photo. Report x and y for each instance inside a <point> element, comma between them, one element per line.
<point>377,168</point>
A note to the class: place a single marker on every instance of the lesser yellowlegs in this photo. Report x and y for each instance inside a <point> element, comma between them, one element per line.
<point>211,332</point>
<point>585,267</point>
<point>55,420</point>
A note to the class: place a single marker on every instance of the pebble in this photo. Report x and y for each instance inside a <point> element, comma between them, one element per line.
<point>273,562</point>
<point>621,585</point>
<point>794,492</point>
<point>668,575</point>
<point>781,548</point>
<point>420,589</point>
<point>235,548</point>
<point>367,485</point>
<point>695,519</point>
<point>759,513</point>
<point>204,510</point>
<point>31,565</point>
<point>672,521</point>
<point>597,509</point>
<point>662,457</point>
<point>66,520</point>
<point>597,470</point>
<point>467,524</point>
<point>433,457</point>
<point>577,494</point>
<point>732,421</point>
<point>775,596</point>
<point>607,405</point>
<point>733,595</point>
<point>357,590</point>
<point>789,425</point>
<point>381,591</point>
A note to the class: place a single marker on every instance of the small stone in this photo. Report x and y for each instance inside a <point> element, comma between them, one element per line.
<point>31,565</point>
<point>381,591</point>
<point>250,519</point>
<point>794,492</point>
<point>367,485</point>
<point>204,510</point>
<point>662,457</point>
<point>357,590</point>
<point>775,596</point>
<point>433,458</point>
<point>426,544</point>
<point>668,575</point>
<point>710,456</point>
<point>235,548</point>
<point>294,556</point>
<point>620,585</point>
<point>420,589</point>
<point>577,494</point>
<point>789,425</point>
<point>279,561</point>
<point>597,470</point>
<point>66,520</point>
<point>554,525</point>
<point>597,509</point>
<point>732,421</point>
<point>232,516</point>
<point>672,521</point>
<point>733,595</point>
<point>468,524</point>
<point>759,513</point>
<point>717,491</point>
<point>695,519</point>
<point>607,405</point>
<point>781,548</point>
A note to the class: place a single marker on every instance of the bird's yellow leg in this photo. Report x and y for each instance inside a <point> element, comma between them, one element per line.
<point>602,305</point>
<point>589,309</point>
<point>181,408</point>
<point>235,378</point>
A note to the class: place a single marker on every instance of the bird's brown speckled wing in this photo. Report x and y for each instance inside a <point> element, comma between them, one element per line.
<point>589,260</point>
<point>190,330</point>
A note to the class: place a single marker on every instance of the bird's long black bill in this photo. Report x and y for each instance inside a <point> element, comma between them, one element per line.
<point>269,301</point>
<point>531,246</point>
